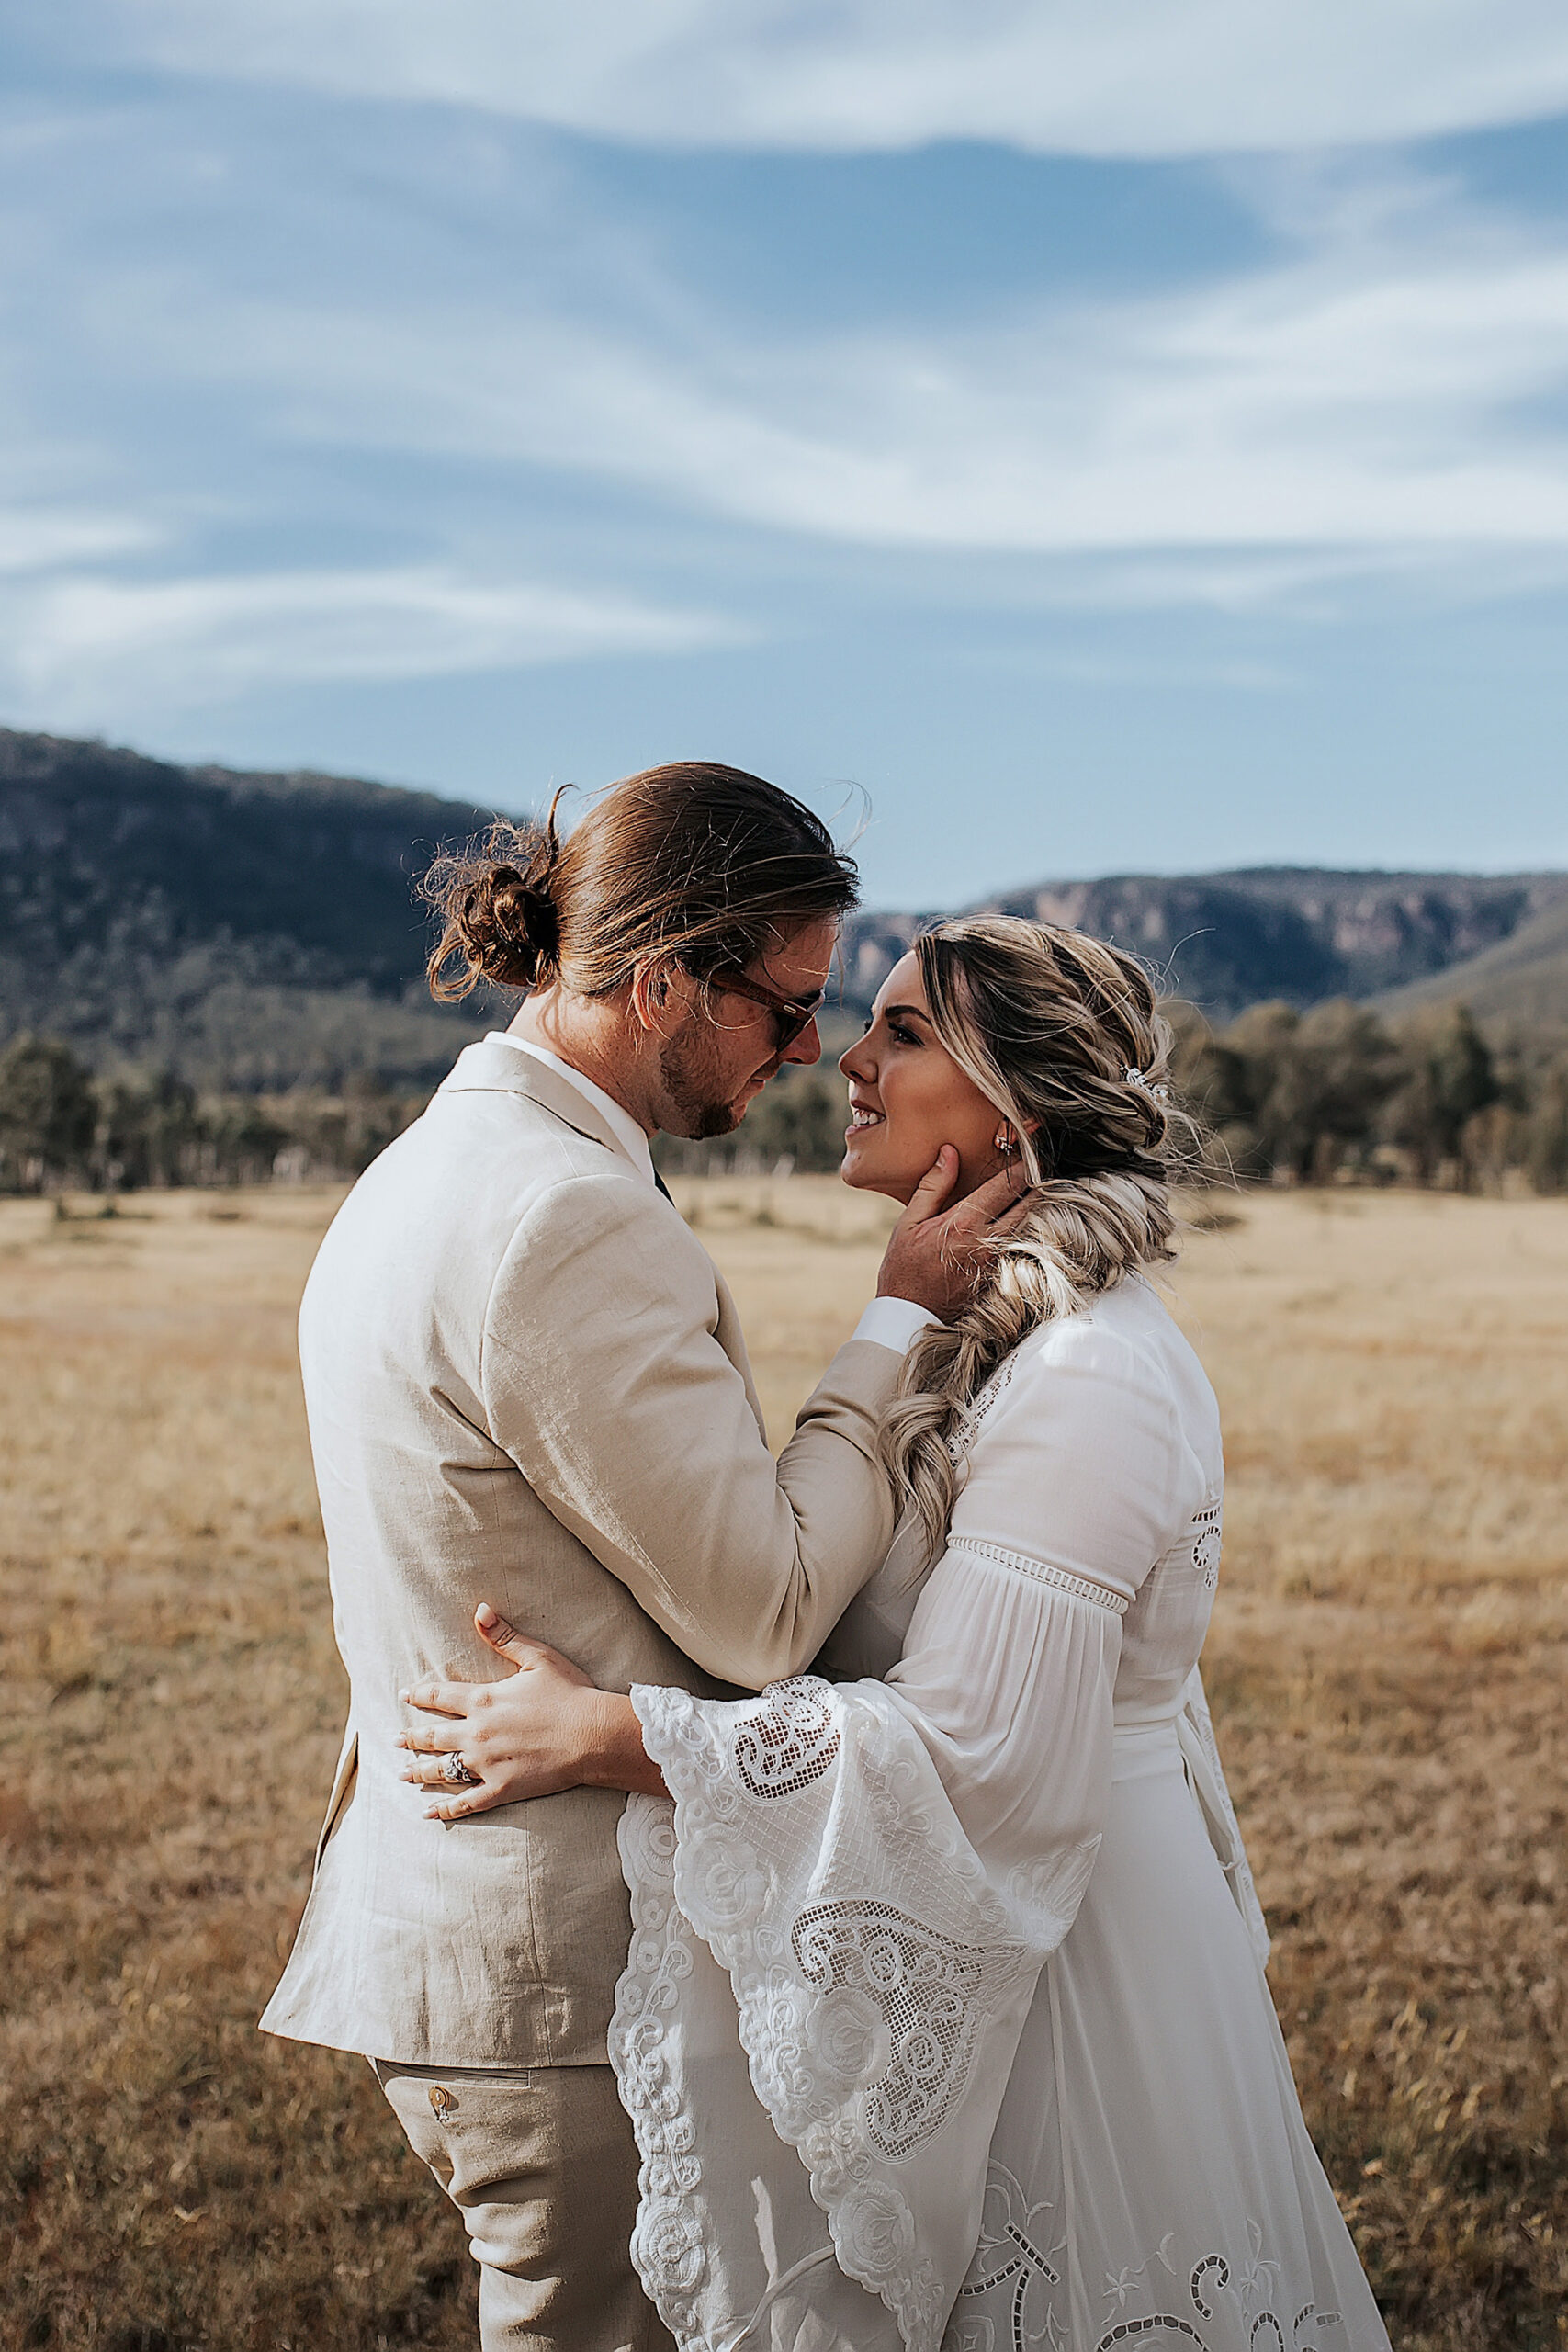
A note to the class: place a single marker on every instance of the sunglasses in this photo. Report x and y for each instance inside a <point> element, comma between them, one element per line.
<point>791,1014</point>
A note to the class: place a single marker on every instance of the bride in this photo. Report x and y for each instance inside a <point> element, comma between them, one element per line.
<point>944,2018</point>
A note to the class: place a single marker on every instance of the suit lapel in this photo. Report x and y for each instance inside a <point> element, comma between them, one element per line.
<point>502,1069</point>
<point>732,1340</point>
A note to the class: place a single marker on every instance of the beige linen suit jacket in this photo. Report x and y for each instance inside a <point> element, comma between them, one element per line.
<point>527,1383</point>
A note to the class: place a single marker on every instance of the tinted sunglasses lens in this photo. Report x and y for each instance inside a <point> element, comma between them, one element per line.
<point>793,1024</point>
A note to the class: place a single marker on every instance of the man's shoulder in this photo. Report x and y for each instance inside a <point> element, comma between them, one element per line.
<point>605,1220</point>
<point>457,1188</point>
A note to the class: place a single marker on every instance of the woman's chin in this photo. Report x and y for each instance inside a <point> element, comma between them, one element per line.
<point>861,1173</point>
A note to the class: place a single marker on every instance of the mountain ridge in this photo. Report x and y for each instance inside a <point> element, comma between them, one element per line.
<point>1237,937</point>
<point>260,930</point>
<point>1518,987</point>
<point>244,930</point>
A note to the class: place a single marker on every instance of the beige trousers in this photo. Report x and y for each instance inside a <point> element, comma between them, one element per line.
<point>542,2166</point>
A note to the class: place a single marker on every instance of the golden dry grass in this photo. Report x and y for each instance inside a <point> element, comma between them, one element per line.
<point>1387,1665</point>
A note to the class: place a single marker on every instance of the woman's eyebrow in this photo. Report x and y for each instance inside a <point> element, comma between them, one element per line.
<point>905,1012</point>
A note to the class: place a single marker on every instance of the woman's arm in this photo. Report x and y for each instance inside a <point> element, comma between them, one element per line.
<point>546,1728</point>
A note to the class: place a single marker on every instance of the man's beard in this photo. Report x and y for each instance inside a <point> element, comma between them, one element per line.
<point>687,1065</point>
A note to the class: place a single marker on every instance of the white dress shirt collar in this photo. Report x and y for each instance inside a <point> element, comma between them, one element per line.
<point>617,1117</point>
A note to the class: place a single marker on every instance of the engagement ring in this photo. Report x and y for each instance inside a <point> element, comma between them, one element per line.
<point>458,1772</point>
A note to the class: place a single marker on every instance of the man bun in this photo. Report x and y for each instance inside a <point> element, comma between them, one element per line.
<point>501,920</point>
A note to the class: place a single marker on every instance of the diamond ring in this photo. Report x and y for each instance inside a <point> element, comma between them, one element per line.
<point>458,1772</point>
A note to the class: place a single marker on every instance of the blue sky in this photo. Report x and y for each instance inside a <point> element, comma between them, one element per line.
<point>1111,437</point>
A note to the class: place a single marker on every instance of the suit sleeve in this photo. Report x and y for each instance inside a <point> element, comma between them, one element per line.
<point>605,1382</point>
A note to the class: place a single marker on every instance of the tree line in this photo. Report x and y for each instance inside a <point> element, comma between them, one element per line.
<point>1335,1095</point>
<point>61,1125</point>
<point>1330,1095</point>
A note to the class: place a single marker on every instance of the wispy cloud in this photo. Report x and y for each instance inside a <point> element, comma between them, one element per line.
<point>1391,393</point>
<point>1095,77</point>
<point>312,390</point>
<point>40,538</point>
<point>85,644</point>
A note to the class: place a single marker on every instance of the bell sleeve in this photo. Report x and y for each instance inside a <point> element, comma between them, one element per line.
<point>866,1877</point>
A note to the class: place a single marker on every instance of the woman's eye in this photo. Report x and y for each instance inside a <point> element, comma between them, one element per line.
<point>905,1036</point>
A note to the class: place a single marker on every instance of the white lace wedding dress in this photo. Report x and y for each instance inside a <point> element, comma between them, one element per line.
<point>944,2021</point>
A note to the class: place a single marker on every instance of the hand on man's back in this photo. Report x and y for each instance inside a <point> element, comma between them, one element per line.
<point>933,1252</point>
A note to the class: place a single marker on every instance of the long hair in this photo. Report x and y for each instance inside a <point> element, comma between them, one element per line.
<point>704,865</point>
<point>1063,1035</point>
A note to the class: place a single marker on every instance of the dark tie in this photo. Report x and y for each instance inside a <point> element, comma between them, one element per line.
<point>663,1187</point>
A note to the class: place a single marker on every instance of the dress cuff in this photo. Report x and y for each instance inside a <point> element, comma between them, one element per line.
<point>894,1323</point>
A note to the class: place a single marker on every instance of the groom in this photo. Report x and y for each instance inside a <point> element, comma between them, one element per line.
<point>526,1381</point>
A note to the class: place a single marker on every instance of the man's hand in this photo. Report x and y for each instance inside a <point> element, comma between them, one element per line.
<point>933,1253</point>
<point>546,1729</point>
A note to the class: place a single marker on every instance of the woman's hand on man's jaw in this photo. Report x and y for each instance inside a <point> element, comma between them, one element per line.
<point>544,1728</point>
<point>934,1252</point>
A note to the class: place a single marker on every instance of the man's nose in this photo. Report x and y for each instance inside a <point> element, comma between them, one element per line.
<point>806,1047</point>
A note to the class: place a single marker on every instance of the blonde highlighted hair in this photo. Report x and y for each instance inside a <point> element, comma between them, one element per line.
<point>1062,1033</point>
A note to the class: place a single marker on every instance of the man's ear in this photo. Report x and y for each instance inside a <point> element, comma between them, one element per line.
<point>660,996</point>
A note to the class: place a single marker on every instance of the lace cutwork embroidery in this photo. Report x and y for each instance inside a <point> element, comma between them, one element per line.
<point>790,1746</point>
<point>1199,1548</point>
<point>1206,1543</point>
<point>1007,2253</point>
<point>1130,2327</point>
<point>860,2022</point>
<point>670,2241</point>
<point>1221,2270</point>
<point>1013,2256</point>
<point>927,1993</point>
<point>1043,1572</point>
<point>980,1404</point>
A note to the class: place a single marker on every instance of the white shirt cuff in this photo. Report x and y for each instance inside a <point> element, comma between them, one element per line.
<point>894,1323</point>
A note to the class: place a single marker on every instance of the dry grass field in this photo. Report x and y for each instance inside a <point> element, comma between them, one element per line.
<point>1387,1666</point>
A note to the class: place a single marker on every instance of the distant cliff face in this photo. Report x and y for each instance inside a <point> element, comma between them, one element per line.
<point>1225,941</point>
<point>261,929</point>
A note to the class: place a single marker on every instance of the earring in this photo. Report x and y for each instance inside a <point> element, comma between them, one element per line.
<point>1003,1141</point>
